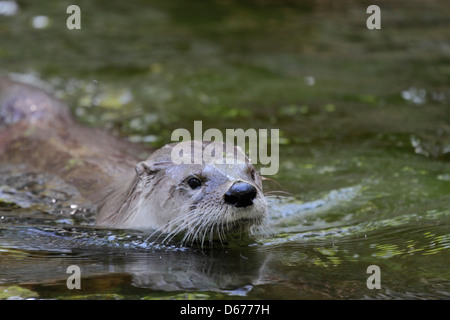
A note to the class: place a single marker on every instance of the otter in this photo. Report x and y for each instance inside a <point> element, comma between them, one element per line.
<point>198,200</point>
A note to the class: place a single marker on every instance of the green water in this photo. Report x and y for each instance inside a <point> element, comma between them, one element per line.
<point>364,119</point>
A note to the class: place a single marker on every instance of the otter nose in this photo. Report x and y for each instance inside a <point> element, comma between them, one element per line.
<point>241,194</point>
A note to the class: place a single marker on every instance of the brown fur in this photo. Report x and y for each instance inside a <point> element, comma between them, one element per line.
<point>37,131</point>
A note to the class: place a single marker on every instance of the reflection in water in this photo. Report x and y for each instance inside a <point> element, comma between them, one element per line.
<point>288,264</point>
<point>39,256</point>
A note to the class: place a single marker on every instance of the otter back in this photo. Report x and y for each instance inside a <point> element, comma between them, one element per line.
<point>38,133</point>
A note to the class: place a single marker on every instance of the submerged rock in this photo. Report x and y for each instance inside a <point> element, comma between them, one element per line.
<point>16,293</point>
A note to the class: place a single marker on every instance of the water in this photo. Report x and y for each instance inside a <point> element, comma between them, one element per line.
<point>364,160</point>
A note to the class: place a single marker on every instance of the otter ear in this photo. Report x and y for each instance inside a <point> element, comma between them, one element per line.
<point>149,168</point>
<point>143,168</point>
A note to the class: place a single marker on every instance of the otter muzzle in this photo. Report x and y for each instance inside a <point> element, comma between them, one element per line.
<point>240,194</point>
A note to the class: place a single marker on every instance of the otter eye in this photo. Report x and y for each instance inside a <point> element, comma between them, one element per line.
<point>194,183</point>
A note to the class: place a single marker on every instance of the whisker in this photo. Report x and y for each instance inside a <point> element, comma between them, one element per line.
<point>272,180</point>
<point>162,229</point>
<point>275,192</point>
<point>178,228</point>
<point>196,227</point>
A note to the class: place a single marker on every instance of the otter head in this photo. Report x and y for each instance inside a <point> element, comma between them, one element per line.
<point>203,199</point>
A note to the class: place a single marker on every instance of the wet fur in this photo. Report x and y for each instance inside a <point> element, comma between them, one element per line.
<point>196,215</point>
<point>38,133</point>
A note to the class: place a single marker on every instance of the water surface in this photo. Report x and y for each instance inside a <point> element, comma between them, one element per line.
<point>364,158</point>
